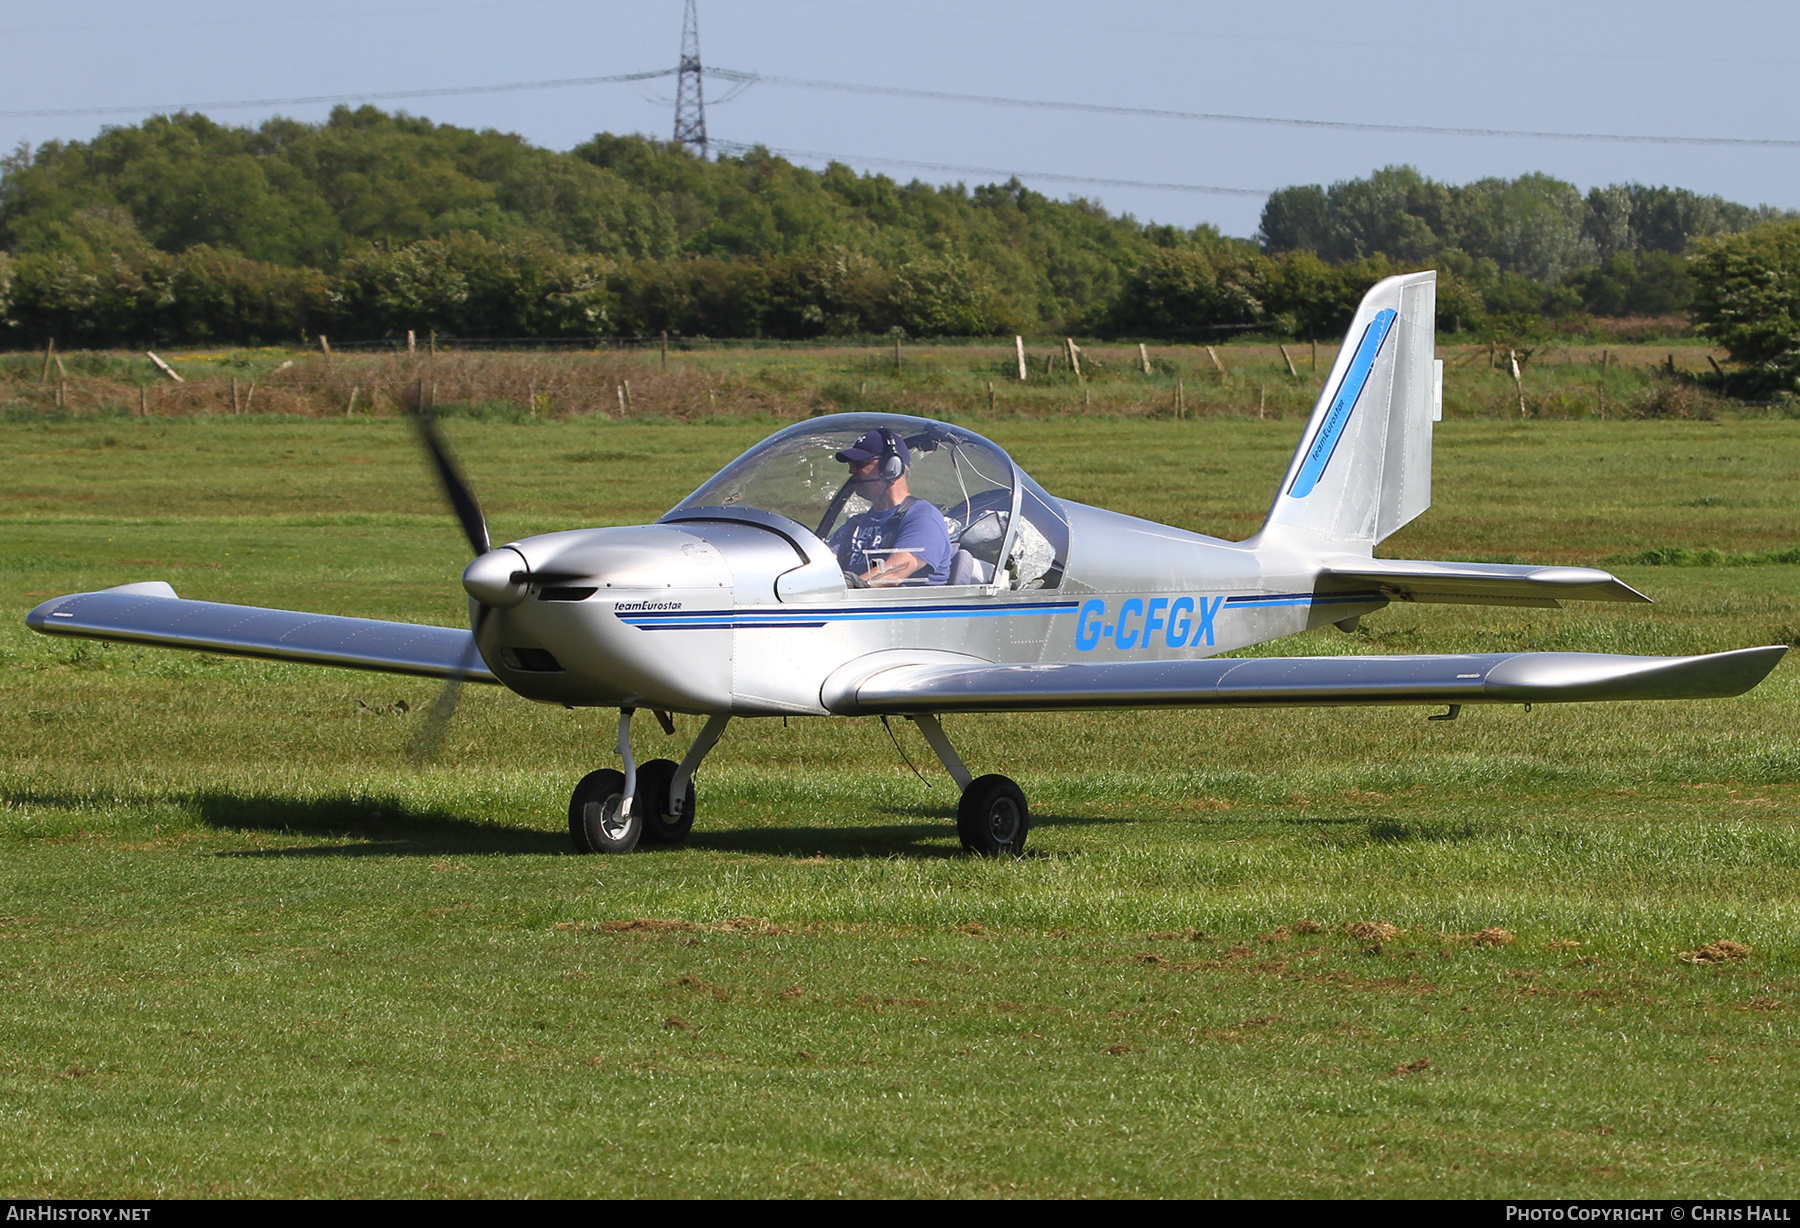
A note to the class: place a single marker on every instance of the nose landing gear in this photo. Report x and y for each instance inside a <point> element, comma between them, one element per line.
<point>611,810</point>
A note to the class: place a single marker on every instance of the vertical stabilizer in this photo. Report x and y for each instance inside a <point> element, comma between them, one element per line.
<point>1363,468</point>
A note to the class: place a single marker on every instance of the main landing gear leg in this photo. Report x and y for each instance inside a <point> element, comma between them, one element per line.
<point>602,818</point>
<point>665,792</point>
<point>992,817</point>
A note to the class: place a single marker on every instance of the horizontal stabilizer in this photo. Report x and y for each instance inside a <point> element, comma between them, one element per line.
<point>151,613</point>
<point>1510,678</point>
<point>1478,583</point>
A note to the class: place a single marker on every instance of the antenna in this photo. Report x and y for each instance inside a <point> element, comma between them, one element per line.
<point>690,100</point>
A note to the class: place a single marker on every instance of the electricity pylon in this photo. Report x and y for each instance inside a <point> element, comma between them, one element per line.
<point>690,99</point>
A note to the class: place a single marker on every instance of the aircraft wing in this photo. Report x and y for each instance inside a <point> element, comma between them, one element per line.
<point>1519,677</point>
<point>151,613</point>
<point>1478,583</point>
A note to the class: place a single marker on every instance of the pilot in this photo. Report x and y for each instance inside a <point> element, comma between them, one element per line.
<point>901,537</point>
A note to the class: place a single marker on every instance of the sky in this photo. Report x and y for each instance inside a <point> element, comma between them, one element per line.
<point>1613,67</point>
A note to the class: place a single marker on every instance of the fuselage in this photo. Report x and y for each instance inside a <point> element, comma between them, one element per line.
<point>744,614</point>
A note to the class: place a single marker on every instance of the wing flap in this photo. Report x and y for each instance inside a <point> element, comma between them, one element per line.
<point>1526,677</point>
<point>1479,583</point>
<point>152,614</point>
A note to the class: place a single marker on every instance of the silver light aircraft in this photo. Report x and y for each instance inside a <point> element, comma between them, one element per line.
<point>738,604</point>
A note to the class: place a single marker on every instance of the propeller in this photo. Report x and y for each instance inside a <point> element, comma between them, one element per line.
<point>425,743</point>
<point>456,488</point>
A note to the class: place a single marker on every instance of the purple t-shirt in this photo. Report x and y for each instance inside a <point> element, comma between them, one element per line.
<point>921,533</point>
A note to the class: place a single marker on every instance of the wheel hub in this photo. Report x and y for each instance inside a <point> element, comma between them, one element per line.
<point>1003,820</point>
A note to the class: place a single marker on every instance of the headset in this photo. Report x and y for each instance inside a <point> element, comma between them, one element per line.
<point>891,466</point>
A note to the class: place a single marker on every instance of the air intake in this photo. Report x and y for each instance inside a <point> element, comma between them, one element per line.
<point>532,661</point>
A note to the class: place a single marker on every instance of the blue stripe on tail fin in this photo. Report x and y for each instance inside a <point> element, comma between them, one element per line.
<point>1343,404</point>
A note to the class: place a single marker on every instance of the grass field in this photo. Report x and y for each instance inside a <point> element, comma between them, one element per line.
<point>250,949</point>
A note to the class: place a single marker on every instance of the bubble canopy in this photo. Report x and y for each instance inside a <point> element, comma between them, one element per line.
<point>795,474</point>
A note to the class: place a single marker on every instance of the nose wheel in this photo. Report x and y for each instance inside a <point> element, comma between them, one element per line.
<point>599,821</point>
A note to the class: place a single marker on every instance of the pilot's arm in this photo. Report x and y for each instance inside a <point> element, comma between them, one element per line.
<point>894,569</point>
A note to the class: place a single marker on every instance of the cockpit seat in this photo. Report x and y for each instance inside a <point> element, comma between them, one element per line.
<point>964,569</point>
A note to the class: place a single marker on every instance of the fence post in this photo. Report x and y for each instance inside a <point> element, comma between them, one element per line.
<point>1180,399</point>
<point>1289,361</point>
<point>1019,345</point>
<point>324,345</point>
<point>896,355</point>
<point>1217,365</point>
<point>1144,357</point>
<point>990,396</point>
<point>165,368</point>
<point>412,343</point>
<point>49,353</point>
<point>665,347</point>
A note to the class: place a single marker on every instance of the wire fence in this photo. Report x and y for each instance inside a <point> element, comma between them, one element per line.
<point>675,343</point>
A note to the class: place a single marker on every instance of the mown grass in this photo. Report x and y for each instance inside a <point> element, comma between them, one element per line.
<point>250,949</point>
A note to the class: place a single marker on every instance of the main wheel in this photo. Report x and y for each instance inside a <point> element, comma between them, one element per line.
<point>594,820</point>
<point>652,801</point>
<point>992,817</point>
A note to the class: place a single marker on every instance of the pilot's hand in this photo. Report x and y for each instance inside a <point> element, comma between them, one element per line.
<point>852,580</point>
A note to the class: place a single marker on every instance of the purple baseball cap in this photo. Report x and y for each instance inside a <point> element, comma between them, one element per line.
<point>871,447</point>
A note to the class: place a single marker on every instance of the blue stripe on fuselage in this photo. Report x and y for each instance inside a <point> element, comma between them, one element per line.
<point>813,616</point>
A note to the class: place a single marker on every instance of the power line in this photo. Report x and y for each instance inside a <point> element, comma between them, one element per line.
<point>740,148</point>
<point>892,91</point>
<point>384,96</point>
<point>1092,108</point>
<point>365,14</point>
<point>1519,49</point>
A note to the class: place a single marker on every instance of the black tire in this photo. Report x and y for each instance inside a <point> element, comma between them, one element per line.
<point>992,817</point>
<point>652,801</point>
<point>594,821</point>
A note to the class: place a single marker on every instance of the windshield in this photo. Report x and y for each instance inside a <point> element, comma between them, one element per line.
<point>796,474</point>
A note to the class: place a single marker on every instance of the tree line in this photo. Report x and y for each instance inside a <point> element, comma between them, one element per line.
<point>184,230</point>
